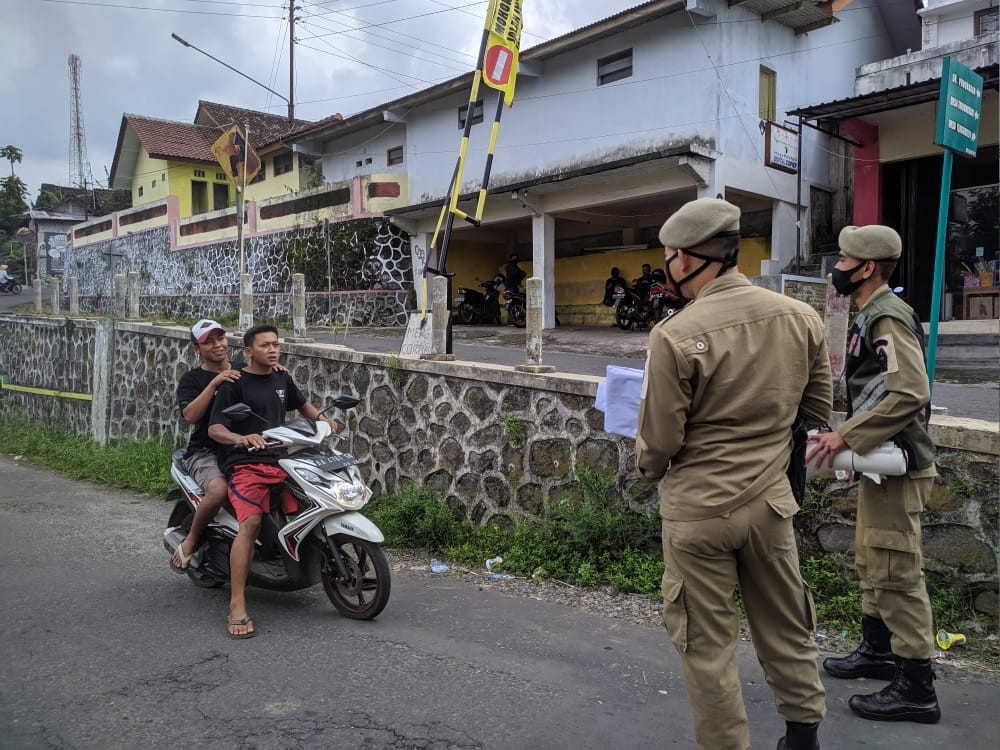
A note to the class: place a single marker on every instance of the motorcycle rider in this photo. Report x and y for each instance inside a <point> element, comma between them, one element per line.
<point>4,277</point>
<point>270,394</point>
<point>195,394</point>
<point>513,275</point>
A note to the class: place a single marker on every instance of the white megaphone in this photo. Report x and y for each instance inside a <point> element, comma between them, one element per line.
<point>887,460</point>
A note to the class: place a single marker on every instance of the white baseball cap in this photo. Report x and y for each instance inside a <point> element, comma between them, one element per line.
<point>201,330</point>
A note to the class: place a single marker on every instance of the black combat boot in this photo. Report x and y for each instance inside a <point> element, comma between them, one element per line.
<point>873,658</point>
<point>909,697</point>
<point>799,736</point>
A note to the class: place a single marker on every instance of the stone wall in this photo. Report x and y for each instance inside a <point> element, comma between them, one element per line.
<point>203,281</point>
<point>493,443</point>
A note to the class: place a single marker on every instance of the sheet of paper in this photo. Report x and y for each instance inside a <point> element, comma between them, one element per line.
<point>618,397</point>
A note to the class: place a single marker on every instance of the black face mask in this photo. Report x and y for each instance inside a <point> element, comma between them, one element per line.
<point>842,279</point>
<point>727,263</point>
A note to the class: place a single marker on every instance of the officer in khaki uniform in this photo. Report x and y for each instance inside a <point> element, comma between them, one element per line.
<point>889,400</point>
<point>725,379</point>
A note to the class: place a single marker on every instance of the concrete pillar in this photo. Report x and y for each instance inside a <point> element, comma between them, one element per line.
<point>783,234</point>
<point>298,305</point>
<point>543,260</point>
<point>299,332</point>
<point>54,294</point>
<point>533,329</point>
<point>37,286</point>
<point>118,310</point>
<point>246,302</point>
<point>132,285</point>
<point>439,316</point>
<point>74,295</point>
<point>835,318</point>
<point>100,406</point>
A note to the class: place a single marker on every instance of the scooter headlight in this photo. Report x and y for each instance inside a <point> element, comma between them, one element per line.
<point>351,494</point>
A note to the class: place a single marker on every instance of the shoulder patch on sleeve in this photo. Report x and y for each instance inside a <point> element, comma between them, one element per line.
<point>886,354</point>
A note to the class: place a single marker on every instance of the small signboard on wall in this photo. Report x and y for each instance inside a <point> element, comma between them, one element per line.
<point>781,148</point>
<point>54,245</point>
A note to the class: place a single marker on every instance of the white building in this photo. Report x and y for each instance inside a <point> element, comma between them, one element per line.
<point>617,124</point>
<point>893,169</point>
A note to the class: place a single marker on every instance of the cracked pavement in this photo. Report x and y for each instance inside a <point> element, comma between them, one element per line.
<point>105,647</point>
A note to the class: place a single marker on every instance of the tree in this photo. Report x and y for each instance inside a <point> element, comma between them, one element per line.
<point>13,208</point>
<point>11,154</point>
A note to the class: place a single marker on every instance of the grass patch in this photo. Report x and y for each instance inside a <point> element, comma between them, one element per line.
<point>515,430</point>
<point>835,592</point>
<point>142,465</point>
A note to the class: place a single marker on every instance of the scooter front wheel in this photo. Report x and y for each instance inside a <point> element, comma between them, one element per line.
<point>466,314</point>
<point>363,594</point>
<point>517,314</point>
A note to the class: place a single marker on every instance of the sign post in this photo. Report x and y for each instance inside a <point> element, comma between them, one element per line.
<point>959,105</point>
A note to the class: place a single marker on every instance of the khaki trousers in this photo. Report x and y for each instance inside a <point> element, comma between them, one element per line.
<point>752,547</point>
<point>888,558</point>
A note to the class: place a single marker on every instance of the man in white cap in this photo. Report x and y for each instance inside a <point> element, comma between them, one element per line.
<point>726,378</point>
<point>889,399</point>
<point>195,394</point>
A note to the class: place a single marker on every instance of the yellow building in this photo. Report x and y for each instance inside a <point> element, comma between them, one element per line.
<point>157,158</point>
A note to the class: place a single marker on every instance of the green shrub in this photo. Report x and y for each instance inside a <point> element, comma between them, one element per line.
<point>142,465</point>
<point>835,592</point>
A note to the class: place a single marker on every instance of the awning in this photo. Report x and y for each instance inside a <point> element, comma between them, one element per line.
<point>881,101</point>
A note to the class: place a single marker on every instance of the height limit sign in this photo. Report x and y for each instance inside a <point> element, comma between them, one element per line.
<point>959,105</point>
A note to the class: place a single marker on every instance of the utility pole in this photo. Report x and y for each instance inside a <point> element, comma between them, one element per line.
<point>291,60</point>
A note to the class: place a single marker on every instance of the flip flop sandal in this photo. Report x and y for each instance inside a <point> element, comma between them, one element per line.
<point>185,559</point>
<point>242,621</point>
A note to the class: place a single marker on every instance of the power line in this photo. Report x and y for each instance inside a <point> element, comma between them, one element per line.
<point>396,20</point>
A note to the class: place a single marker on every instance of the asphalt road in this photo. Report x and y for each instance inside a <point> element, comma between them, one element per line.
<point>105,647</point>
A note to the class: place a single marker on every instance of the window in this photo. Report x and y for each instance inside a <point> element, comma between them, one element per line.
<point>284,163</point>
<point>394,156</point>
<point>368,160</point>
<point>154,183</point>
<point>140,191</point>
<point>163,176</point>
<point>260,176</point>
<point>477,114</point>
<point>359,164</point>
<point>987,21</point>
<point>199,173</point>
<point>220,175</point>
<point>765,92</point>
<point>614,67</point>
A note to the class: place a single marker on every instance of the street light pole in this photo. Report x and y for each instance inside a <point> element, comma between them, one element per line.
<point>291,107</point>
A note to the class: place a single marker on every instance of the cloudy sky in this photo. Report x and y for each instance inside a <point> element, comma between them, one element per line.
<point>350,55</point>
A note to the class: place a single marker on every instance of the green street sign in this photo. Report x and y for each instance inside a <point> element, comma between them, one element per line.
<point>959,105</point>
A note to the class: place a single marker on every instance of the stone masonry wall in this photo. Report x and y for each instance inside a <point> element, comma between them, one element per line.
<point>203,281</point>
<point>493,443</point>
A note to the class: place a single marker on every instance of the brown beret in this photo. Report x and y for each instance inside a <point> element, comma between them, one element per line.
<point>699,221</point>
<point>874,242</point>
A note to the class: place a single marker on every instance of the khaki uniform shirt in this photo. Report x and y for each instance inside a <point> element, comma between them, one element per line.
<point>906,385</point>
<point>725,378</point>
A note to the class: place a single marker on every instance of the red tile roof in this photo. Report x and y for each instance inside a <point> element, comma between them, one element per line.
<point>167,139</point>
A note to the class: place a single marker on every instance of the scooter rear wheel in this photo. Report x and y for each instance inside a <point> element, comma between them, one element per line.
<point>624,316</point>
<point>366,591</point>
<point>466,315</point>
<point>198,578</point>
<point>517,314</point>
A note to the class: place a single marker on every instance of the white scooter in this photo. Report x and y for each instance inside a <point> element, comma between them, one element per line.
<point>327,540</point>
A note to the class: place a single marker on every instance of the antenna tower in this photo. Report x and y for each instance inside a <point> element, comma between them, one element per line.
<point>79,166</point>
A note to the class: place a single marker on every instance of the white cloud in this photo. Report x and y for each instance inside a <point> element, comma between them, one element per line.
<point>130,63</point>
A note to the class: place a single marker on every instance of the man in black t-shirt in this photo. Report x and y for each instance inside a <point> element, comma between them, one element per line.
<point>270,395</point>
<point>195,393</point>
<point>513,275</point>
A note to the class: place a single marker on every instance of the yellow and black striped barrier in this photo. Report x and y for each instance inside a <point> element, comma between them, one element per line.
<point>6,385</point>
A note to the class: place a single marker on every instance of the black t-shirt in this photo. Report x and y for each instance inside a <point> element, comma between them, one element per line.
<point>191,385</point>
<point>270,397</point>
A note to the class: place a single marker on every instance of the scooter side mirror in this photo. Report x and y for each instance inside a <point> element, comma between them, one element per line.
<point>237,412</point>
<point>346,402</point>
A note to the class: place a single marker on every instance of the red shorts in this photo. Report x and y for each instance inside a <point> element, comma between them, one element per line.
<point>250,490</point>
